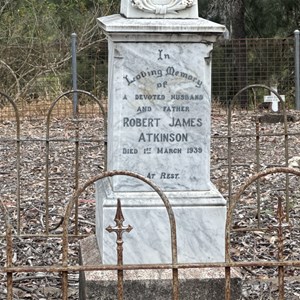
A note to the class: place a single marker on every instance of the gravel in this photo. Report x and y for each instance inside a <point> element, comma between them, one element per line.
<point>32,249</point>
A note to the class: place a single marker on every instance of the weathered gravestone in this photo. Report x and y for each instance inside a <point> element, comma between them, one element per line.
<point>159,126</point>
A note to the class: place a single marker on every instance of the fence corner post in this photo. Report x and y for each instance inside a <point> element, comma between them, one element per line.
<point>297,68</point>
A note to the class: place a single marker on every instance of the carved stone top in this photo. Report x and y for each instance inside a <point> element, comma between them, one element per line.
<point>160,9</point>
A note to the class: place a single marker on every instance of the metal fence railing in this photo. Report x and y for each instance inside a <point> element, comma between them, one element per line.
<point>43,162</point>
<point>48,151</point>
<point>282,263</point>
<point>239,63</point>
<point>35,76</point>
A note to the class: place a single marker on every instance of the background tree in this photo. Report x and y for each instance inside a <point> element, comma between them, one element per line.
<point>254,18</point>
<point>273,18</point>
<point>37,38</point>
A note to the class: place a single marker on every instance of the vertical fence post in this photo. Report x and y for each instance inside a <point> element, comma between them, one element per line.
<point>74,74</point>
<point>297,68</point>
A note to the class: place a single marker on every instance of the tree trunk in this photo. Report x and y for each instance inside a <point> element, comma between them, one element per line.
<point>238,19</point>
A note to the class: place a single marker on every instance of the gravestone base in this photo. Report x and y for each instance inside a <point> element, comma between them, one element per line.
<point>204,284</point>
<point>200,225</point>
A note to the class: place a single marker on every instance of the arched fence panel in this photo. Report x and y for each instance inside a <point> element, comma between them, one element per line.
<point>37,222</point>
<point>80,138</point>
<point>40,161</point>
<point>280,260</point>
<point>169,210</point>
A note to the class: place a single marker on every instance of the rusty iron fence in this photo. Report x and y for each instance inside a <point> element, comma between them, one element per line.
<point>233,173</point>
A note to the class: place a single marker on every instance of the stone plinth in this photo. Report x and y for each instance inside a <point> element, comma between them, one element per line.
<point>200,220</point>
<point>204,284</point>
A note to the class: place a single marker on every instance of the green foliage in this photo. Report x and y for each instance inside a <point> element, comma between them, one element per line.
<point>203,7</point>
<point>262,18</point>
<point>36,36</point>
<point>272,18</point>
<point>267,22</point>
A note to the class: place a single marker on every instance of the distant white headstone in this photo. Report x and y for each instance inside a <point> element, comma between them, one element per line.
<point>274,100</point>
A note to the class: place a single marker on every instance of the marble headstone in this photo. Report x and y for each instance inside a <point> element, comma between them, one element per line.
<point>159,126</point>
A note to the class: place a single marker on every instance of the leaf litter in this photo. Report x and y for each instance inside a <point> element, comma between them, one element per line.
<point>258,282</point>
<point>251,153</point>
